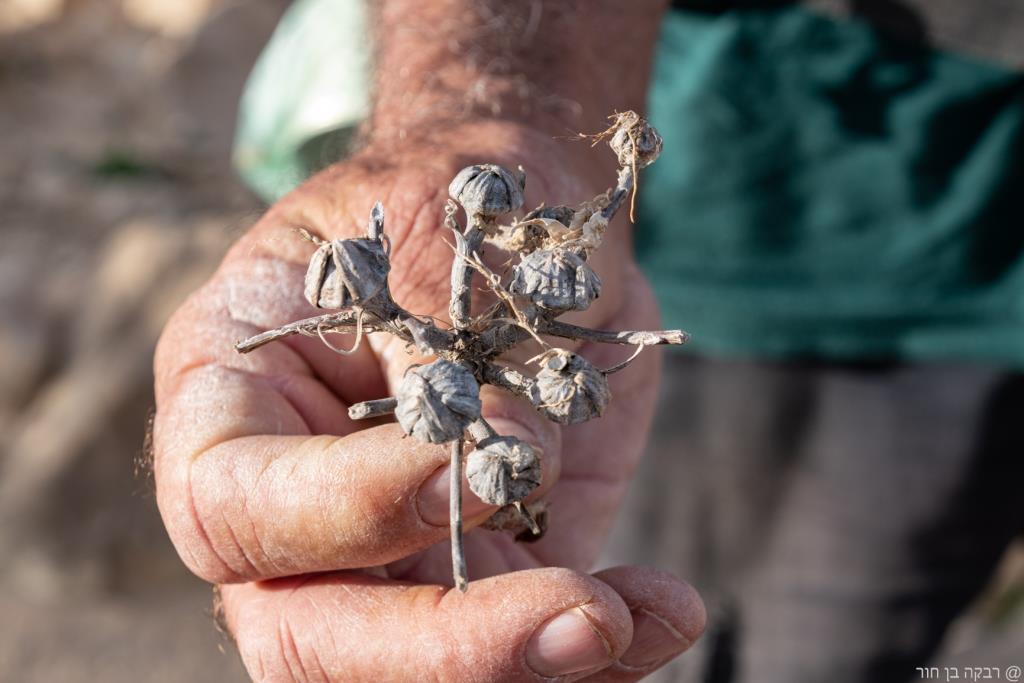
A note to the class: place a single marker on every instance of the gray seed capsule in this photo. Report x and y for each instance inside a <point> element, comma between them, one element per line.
<point>556,280</point>
<point>570,389</point>
<point>487,190</point>
<point>648,144</point>
<point>437,402</point>
<point>503,470</point>
<point>348,272</point>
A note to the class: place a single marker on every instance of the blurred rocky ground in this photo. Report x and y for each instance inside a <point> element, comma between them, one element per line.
<point>116,200</point>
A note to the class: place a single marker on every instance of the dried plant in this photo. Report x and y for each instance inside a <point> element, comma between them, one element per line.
<point>440,402</point>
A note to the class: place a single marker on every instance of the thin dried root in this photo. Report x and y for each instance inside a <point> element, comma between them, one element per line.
<point>625,363</point>
<point>355,345</point>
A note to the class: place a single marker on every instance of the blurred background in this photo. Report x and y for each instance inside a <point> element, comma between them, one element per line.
<point>117,198</point>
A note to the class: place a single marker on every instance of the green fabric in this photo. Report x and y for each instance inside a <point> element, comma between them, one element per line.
<point>306,95</point>
<point>828,192</point>
<point>824,191</point>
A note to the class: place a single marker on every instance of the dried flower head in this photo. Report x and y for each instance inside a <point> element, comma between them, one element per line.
<point>636,132</point>
<point>570,389</point>
<point>436,402</point>
<point>440,402</point>
<point>346,272</point>
<point>487,190</point>
<point>556,280</point>
<point>503,470</point>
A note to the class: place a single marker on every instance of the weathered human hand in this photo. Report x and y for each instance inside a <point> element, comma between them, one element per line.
<point>330,535</point>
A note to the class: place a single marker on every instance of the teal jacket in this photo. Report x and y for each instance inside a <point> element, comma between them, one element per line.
<point>828,189</point>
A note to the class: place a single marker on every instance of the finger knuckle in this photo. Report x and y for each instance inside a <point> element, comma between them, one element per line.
<point>281,641</point>
<point>192,538</point>
<point>299,660</point>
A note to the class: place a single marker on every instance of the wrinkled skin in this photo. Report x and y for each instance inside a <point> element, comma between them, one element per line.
<point>267,487</point>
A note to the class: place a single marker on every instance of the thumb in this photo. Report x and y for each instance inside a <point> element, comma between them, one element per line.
<point>531,625</point>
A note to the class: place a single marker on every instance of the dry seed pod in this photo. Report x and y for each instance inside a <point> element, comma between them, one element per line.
<point>648,143</point>
<point>556,280</point>
<point>570,389</point>
<point>562,214</point>
<point>348,272</point>
<point>487,190</point>
<point>437,402</point>
<point>511,520</point>
<point>502,470</point>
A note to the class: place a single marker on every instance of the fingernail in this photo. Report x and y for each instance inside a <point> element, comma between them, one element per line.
<point>567,644</point>
<point>435,493</point>
<point>654,640</point>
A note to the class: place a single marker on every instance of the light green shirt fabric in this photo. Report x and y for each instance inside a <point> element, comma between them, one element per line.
<point>306,95</point>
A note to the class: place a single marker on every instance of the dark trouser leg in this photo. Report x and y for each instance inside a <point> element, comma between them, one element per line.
<point>837,517</point>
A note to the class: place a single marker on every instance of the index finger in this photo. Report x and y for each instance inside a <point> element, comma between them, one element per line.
<point>245,487</point>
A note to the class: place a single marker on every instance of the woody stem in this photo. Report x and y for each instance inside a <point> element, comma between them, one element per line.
<point>466,244</point>
<point>458,554</point>
<point>631,337</point>
<point>623,187</point>
<point>375,408</point>
<point>308,327</point>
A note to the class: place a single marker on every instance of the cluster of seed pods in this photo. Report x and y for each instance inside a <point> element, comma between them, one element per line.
<point>439,402</point>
